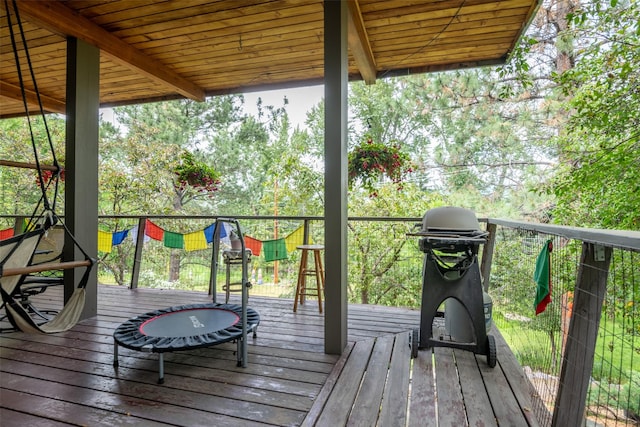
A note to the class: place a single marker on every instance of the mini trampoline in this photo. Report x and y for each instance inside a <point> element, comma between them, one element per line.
<point>192,326</point>
<point>184,327</point>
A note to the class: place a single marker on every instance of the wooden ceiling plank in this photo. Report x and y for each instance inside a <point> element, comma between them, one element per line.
<point>499,25</point>
<point>387,11</point>
<point>250,36</point>
<point>450,15</point>
<point>49,104</point>
<point>359,45</point>
<point>304,47</point>
<point>213,31</point>
<point>235,21</point>
<point>459,36</point>
<point>58,18</point>
<point>471,52</point>
<point>155,12</point>
<point>437,24</point>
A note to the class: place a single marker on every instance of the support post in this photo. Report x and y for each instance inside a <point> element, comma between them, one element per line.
<point>81,163</point>
<point>487,256</point>
<point>137,255</point>
<point>335,175</point>
<point>577,361</point>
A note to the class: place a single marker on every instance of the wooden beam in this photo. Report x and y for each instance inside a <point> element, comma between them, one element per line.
<point>359,43</point>
<point>58,18</point>
<point>25,165</point>
<point>45,267</point>
<point>49,104</point>
<point>487,256</point>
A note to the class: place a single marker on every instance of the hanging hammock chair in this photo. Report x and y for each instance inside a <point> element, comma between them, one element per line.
<point>19,264</point>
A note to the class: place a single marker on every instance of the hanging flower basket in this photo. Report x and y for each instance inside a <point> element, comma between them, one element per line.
<point>198,175</point>
<point>369,161</point>
<point>47,175</point>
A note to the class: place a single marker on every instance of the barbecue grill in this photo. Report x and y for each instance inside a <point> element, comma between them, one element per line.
<point>450,238</point>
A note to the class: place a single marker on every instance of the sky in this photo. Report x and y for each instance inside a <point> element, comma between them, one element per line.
<point>301,100</point>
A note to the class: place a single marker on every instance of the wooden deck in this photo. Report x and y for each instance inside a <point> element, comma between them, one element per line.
<point>69,378</point>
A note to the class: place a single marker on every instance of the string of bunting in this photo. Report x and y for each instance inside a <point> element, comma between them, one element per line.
<point>272,250</point>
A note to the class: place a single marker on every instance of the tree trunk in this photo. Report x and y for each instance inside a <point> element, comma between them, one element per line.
<point>174,259</point>
<point>565,57</point>
<point>174,266</point>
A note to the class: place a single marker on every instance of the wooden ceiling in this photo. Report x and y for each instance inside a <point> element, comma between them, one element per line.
<point>156,50</point>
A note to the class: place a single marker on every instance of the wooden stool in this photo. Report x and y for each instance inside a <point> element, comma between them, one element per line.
<point>318,271</point>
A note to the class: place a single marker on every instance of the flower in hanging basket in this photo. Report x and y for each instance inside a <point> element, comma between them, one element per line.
<point>369,161</point>
<point>48,174</point>
<point>198,175</point>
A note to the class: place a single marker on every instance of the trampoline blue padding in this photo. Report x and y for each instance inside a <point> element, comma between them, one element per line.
<point>184,327</point>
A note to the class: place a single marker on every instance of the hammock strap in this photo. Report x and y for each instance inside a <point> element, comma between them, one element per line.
<point>43,186</point>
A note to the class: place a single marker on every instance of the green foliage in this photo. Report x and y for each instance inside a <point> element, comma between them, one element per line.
<point>384,263</point>
<point>139,159</point>
<point>19,190</point>
<point>525,342</point>
<point>626,395</point>
<point>597,184</point>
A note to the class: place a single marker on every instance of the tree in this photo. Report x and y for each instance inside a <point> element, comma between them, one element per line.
<point>598,184</point>
<point>20,193</point>
<point>146,170</point>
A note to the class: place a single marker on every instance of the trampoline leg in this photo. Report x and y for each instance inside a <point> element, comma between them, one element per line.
<point>239,353</point>
<point>160,368</point>
<point>115,354</point>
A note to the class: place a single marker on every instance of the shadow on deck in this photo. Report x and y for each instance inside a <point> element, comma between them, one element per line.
<point>69,378</point>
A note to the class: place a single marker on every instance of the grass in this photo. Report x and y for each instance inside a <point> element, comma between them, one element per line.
<point>616,370</point>
<point>614,350</point>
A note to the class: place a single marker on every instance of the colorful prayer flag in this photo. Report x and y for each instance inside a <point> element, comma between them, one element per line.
<point>118,237</point>
<point>104,241</point>
<point>208,232</point>
<point>153,231</point>
<point>295,239</point>
<point>195,241</point>
<point>134,235</point>
<point>6,233</point>
<point>542,277</point>
<point>173,240</point>
<point>225,233</point>
<point>274,250</point>
<point>254,244</point>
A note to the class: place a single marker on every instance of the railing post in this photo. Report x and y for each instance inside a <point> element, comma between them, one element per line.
<point>137,256</point>
<point>487,255</point>
<point>18,225</point>
<point>305,238</point>
<point>577,361</point>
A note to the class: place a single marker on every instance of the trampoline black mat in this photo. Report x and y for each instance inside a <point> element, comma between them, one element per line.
<point>184,327</point>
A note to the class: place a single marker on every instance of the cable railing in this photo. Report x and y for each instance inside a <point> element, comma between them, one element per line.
<point>581,354</point>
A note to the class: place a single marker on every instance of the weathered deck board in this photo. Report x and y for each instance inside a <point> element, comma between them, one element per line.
<point>69,378</point>
<point>380,385</point>
<point>393,411</point>
<point>475,396</point>
<point>367,404</point>
<point>422,408</point>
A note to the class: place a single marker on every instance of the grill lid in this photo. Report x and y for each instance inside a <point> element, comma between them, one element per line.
<point>450,218</point>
